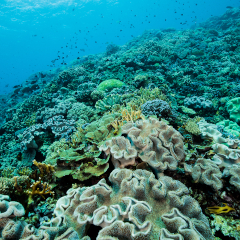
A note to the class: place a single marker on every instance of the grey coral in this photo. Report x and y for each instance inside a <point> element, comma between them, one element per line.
<point>156,107</point>
<point>198,103</point>
<point>235,176</point>
<point>207,172</point>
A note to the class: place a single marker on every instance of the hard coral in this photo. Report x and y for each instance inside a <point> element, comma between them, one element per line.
<point>219,210</point>
<point>45,169</point>
<point>46,189</point>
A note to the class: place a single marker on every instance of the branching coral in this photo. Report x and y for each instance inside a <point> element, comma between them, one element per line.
<point>219,210</point>
<point>45,169</point>
<point>46,189</point>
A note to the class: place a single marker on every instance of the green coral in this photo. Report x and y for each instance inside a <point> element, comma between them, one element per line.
<point>192,127</point>
<point>108,102</point>
<point>99,131</point>
<point>110,84</point>
<point>230,127</point>
<point>7,172</point>
<point>227,225</point>
<point>79,162</point>
<point>187,110</point>
<point>233,107</point>
<point>80,156</point>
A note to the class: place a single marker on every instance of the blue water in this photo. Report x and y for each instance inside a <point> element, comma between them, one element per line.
<point>34,33</point>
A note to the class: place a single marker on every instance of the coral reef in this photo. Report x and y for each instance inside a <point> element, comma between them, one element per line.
<point>109,85</point>
<point>158,117</point>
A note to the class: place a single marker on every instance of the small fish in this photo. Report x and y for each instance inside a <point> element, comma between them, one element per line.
<point>229,7</point>
<point>7,85</point>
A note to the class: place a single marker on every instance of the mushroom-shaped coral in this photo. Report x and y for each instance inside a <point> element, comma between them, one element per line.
<point>10,208</point>
<point>209,131</point>
<point>156,143</point>
<point>136,206</point>
<point>207,172</point>
<point>225,156</point>
<point>235,176</point>
<point>123,154</point>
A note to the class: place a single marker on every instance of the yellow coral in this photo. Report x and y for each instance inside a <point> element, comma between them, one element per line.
<point>24,171</point>
<point>46,189</point>
<point>44,168</point>
<point>219,210</point>
<point>7,172</point>
<point>77,137</point>
<point>148,95</point>
<point>32,120</point>
<point>132,115</point>
<point>116,124</point>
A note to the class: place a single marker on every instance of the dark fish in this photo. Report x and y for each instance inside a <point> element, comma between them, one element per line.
<point>7,85</point>
<point>17,86</point>
<point>229,7</point>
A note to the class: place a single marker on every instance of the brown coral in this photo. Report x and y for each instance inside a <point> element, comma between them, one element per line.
<point>46,189</point>
<point>45,169</point>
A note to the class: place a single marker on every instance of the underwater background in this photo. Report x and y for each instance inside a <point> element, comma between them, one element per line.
<point>120,120</point>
